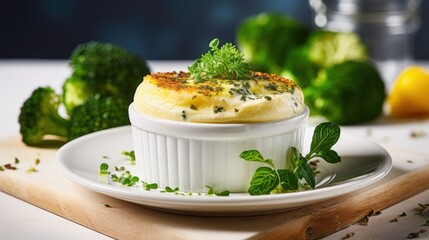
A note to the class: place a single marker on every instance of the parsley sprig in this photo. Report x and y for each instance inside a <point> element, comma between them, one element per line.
<point>298,172</point>
<point>226,63</point>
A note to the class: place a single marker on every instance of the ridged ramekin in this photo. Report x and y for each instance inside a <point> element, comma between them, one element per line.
<point>191,156</point>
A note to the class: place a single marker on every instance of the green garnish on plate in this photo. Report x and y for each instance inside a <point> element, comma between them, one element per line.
<point>298,172</point>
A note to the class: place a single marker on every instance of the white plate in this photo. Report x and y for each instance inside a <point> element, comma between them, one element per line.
<point>363,163</point>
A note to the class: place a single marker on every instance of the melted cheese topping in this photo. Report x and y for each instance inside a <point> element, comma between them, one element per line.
<point>175,96</point>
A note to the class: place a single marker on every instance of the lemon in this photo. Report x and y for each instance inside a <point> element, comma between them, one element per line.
<point>409,96</point>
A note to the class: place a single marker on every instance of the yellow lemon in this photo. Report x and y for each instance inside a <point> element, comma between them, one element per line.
<point>409,96</point>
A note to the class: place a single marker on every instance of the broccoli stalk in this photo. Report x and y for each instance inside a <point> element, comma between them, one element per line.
<point>104,69</point>
<point>347,93</point>
<point>39,117</point>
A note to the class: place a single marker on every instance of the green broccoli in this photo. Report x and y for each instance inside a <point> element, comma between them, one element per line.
<point>39,117</point>
<point>322,49</point>
<point>104,69</point>
<point>300,68</point>
<point>347,93</point>
<point>98,113</point>
<point>326,47</point>
<point>266,40</point>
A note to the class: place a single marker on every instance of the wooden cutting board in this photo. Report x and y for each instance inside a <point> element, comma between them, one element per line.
<point>49,190</point>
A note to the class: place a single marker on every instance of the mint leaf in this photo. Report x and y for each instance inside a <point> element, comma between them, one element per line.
<point>306,172</point>
<point>263,181</point>
<point>288,179</point>
<point>294,158</point>
<point>330,156</point>
<point>324,137</point>
<point>255,156</point>
<point>298,170</point>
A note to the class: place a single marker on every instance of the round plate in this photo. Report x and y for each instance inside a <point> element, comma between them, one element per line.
<point>363,163</point>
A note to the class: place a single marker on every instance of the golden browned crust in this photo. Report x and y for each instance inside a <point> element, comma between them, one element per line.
<point>179,81</point>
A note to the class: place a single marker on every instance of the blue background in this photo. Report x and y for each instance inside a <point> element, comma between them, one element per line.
<point>163,29</point>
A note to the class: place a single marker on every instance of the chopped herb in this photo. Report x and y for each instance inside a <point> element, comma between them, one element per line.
<point>193,97</point>
<point>403,214</point>
<point>104,169</point>
<point>207,87</point>
<point>409,161</point>
<point>377,213</point>
<point>211,192</point>
<point>426,223</point>
<point>393,220</point>
<point>16,160</point>
<point>128,179</point>
<point>37,161</point>
<point>268,98</point>
<point>107,205</point>
<point>271,86</point>
<point>193,107</point>
<point>270,179</point>
<point>421,208</point>
<point>114,178</point>
<point>171,190</point>
<point>31,169</point>
<point>236,110</point>
<point>149,186</point>
<point>9,166</point>
<point>364,221</point>
<point>218,109</point>
<point>413,235</point>
<point>349,235</point>
<point>131,155</point>
<point>106,157</point>
<point>417,134</point>
<point>1,168</point>
<point>119,169</point>
<point>183,115</point>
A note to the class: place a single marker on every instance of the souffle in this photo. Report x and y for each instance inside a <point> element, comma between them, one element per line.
<point>176,96</point>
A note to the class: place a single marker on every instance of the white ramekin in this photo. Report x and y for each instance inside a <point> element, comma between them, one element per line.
<point>191,156</point>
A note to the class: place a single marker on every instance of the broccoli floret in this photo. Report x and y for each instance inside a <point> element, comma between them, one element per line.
<point>98,113</point>
<point>39,117</point>
<point>266,39</point>
<point>104,69</point>
<point>300,68</point>
<point>326,48</point>
<point>347,93</point>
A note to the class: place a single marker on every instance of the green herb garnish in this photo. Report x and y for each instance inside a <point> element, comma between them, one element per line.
<point>226,63</point>
<point>149,186</point>
<point>171,190</point>
<point>217,109</point>
<point>212,192</point>
<point>104,169</point>
<point>298,172</point>
<point>131,155</point>
<point>128,179</point>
